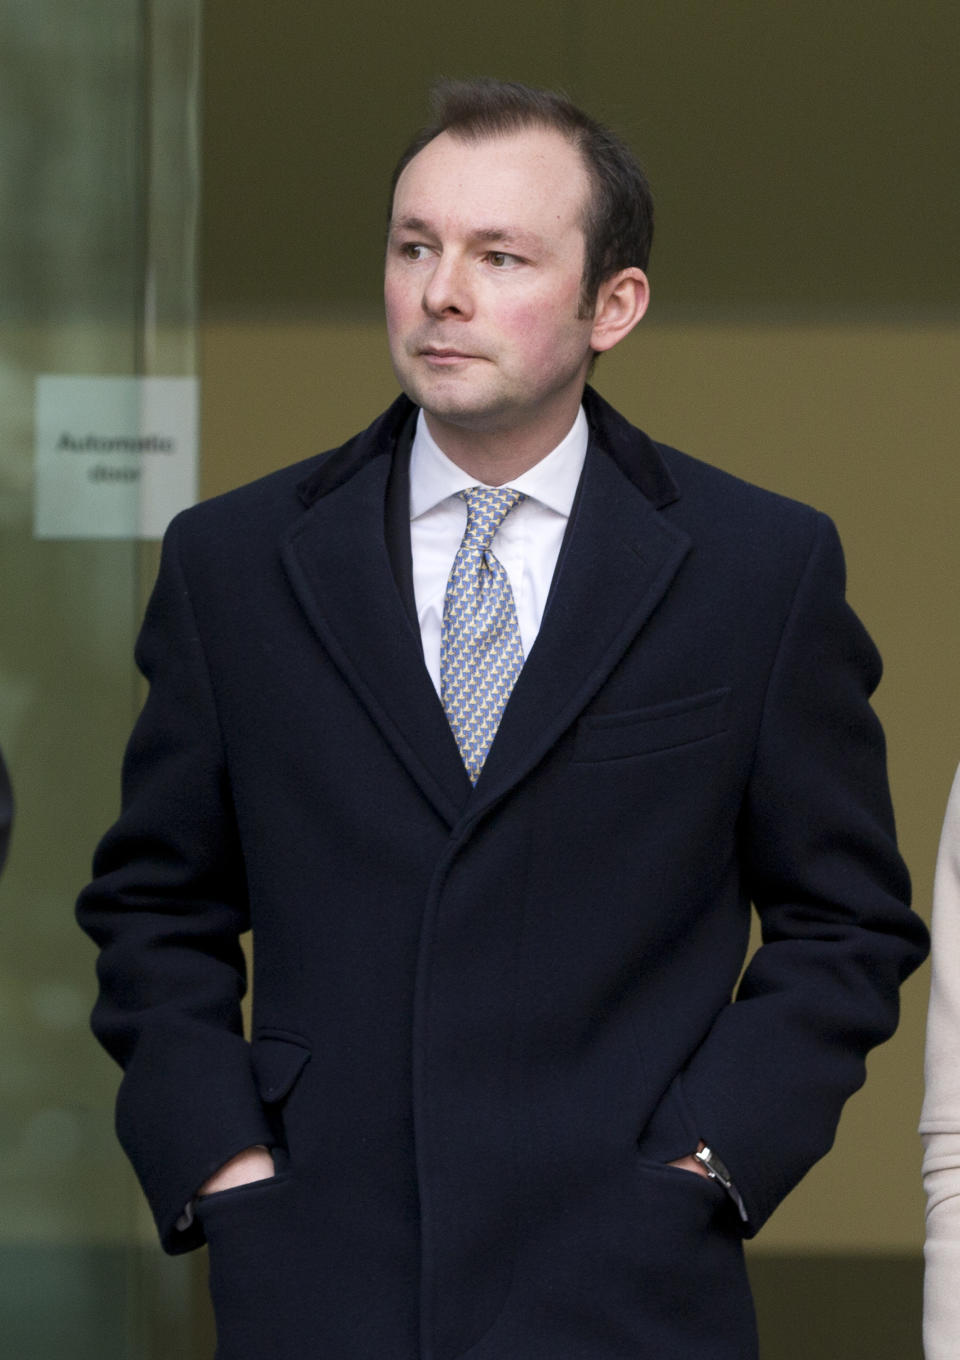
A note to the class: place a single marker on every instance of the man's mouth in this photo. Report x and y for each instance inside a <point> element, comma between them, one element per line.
<point>442,355</point>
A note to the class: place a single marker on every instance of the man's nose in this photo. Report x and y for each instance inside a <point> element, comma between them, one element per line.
<point>447,291</point>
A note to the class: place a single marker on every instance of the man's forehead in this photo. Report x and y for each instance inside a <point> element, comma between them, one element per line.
<point>510,167</point>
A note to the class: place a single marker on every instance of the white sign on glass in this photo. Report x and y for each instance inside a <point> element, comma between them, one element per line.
<point>114,457</point>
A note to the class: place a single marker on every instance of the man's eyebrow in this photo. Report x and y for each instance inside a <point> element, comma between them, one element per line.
<point>492,235</point>
<point>508,236</point>
<point>410,224</point>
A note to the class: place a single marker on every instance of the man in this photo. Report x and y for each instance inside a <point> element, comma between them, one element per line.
<point>491,724</point>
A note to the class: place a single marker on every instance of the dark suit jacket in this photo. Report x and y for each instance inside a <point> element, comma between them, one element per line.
<point>485,1018</point>
<point>6,811</point>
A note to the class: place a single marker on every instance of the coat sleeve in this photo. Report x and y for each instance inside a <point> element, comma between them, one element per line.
<point>819,859</point>
<point>167,906</point>
<point>6,811</point>
<point>940,1120</point>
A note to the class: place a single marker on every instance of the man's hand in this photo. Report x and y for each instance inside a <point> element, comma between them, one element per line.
<point>253,1164</point>
<point>690,1163</point>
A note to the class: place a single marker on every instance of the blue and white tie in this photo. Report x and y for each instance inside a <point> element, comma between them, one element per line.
<point>481,654</point>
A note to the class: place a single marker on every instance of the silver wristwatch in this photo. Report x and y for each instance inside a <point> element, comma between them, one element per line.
<point>717,1171</point>
<point>714,1168</point>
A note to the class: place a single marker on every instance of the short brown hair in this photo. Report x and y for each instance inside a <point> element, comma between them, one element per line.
<point>618,223</point>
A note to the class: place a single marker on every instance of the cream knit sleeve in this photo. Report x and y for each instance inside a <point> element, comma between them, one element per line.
<point>940,1120</point>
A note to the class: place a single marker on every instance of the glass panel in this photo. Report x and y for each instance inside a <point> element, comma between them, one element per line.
<point>99,185</point>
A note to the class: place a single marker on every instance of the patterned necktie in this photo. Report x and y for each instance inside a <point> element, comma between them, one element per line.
<point>480,649</point>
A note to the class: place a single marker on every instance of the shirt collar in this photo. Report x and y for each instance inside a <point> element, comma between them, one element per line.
<point>553,481</point>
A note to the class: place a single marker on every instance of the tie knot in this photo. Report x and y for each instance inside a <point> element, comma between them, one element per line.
<point>487,508</point>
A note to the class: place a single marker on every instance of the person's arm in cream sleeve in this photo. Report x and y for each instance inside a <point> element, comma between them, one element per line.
<point>940,1121</point>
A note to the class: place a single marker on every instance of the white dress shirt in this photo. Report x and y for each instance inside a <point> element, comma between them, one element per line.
<point>527,544</point>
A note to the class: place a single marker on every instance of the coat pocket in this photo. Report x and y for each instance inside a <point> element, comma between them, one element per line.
<point>278,1059</point>
<point>257,1253</point>
<point>643,731</point>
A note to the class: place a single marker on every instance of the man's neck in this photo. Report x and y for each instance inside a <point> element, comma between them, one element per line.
<point>496,457</point>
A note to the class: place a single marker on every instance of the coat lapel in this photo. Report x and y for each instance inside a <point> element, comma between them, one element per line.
<point>337,561</point>
<point>619,560</point>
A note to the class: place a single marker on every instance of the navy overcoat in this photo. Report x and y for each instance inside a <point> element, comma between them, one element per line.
<point>484,1019</point>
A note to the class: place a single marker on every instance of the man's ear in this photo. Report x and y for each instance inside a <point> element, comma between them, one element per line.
<point>621,302</point>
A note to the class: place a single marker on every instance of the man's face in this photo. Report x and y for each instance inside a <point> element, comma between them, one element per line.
<point>484,264</point>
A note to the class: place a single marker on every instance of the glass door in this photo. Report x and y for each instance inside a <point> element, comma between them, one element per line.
<point>99,187</point>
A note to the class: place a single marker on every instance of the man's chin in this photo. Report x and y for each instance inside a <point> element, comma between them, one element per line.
<point>465,410</point>
<point>477,419</point>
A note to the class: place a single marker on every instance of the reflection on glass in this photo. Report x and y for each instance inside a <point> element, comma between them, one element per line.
<point>98,179</point>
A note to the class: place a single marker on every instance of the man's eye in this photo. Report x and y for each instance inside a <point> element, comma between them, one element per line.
<point>500,259</point>
<point>412,251</point>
